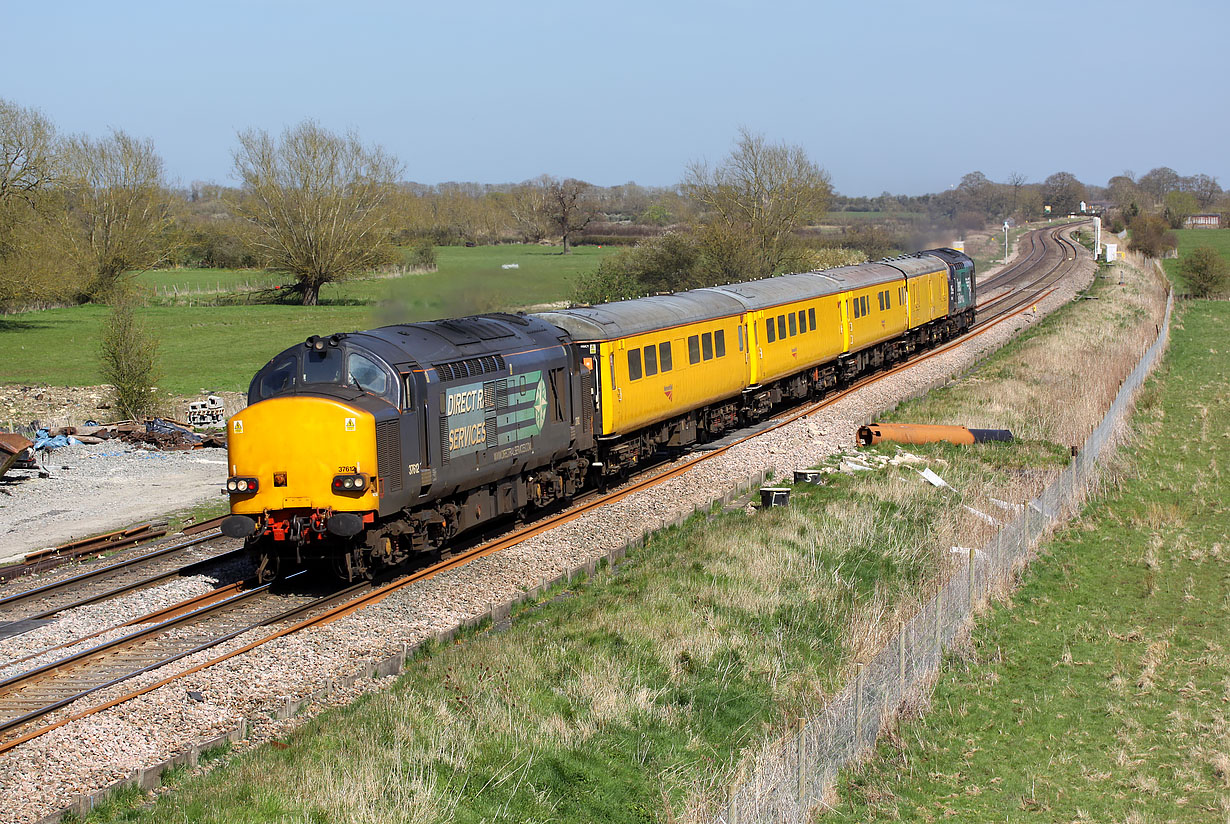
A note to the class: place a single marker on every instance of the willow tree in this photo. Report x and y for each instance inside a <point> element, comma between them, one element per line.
<point>765,192</point>
<point>30,167</point>
<point>319,204</point>
<point>117,219</point>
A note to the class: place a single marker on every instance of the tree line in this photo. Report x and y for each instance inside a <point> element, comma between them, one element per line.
<point>79,215</point>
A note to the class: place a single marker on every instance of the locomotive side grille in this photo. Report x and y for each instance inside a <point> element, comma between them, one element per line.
<point>470,367</point>
<point>388,453</point>
<point>444,456</point>
<point>587,402</point>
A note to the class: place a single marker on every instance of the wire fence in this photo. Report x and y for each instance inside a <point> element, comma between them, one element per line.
<point>791,776</point>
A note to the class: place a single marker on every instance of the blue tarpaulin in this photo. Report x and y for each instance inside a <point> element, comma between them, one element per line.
<point>44,442</point>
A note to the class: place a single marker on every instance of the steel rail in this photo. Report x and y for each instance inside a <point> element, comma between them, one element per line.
<point>15,686</point>
<point>40,593</point>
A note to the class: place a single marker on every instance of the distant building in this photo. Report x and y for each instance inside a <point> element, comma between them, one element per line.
<point>1202,222</point>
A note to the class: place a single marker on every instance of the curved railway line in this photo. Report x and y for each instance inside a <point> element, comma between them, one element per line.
<point>223,614</point>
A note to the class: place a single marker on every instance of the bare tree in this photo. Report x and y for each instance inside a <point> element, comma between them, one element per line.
<point>766,191</point>
<point>568,206</point>
<point>29,167</point>
<point>1016,180</point>
<point>319,203</point>
<point>28,154</point>
<point>527,206</point>
<point>118,218</point>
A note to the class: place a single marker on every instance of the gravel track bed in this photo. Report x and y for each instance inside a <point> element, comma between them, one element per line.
<point>49,772</point>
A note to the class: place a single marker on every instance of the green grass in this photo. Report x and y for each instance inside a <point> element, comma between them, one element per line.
<point>617,698</point>
<point>1190,239</point>
<point>220,347</point>
<point>1102,692</point>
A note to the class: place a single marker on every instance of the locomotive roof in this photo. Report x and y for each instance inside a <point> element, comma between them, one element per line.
<point>440,341</point>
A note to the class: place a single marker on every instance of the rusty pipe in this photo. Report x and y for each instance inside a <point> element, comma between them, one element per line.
<point>874,433</point>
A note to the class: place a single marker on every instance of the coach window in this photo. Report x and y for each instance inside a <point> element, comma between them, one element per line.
<point>664,356</point>
<point>634,364</point>
<point>719,343</point>
<point>781,327</point>
<point>769,327</point>
<point>858,304</point>
<point>880,296</point>
<point>651,360</point>
<point>706,345</point>
<point>694,349</point>
<point>794,325</point>
<point>740,337</point>
<point>802,321</point>
<point>866,305</point>
<point>278,379</point>
<point>811,318</point>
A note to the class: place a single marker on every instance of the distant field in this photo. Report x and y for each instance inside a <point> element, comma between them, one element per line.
<point>220,347</point>
<point>1190,239</point>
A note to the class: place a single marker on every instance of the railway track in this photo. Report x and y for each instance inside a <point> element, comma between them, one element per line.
<point>35,693</point>
<point>55,694</point>
<point>23,611</point>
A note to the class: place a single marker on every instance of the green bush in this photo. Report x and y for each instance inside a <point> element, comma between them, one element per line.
<point>129,361</point>
<point>1205,270</point>
<point>422,255</point>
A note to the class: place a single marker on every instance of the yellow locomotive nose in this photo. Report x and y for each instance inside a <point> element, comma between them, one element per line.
<point>300,452</point>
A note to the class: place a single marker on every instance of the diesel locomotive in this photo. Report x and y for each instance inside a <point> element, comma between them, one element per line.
<point>361,449</point>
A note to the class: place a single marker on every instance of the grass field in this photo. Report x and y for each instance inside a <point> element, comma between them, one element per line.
<point>1102,691</point>
<point>1190,239</point>
<point>220,347</point>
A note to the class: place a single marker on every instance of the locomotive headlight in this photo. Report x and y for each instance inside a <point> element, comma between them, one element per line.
<point>238,486</point>
<point>350,483</point>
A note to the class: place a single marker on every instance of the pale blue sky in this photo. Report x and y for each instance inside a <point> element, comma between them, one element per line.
<point>898,96</point>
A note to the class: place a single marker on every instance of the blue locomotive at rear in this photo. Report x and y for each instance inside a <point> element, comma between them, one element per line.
<point>462,421</point>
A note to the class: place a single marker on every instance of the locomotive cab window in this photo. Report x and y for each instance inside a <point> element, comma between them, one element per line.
<point>664,356</point>
<point>706,345</point>
<point>323,365</point>
<point>634,364</point>
<point>365,374</point>
<point>694,349</point>
<point>651,360</point>
<point>278,379</point>
<point>719,343</point>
